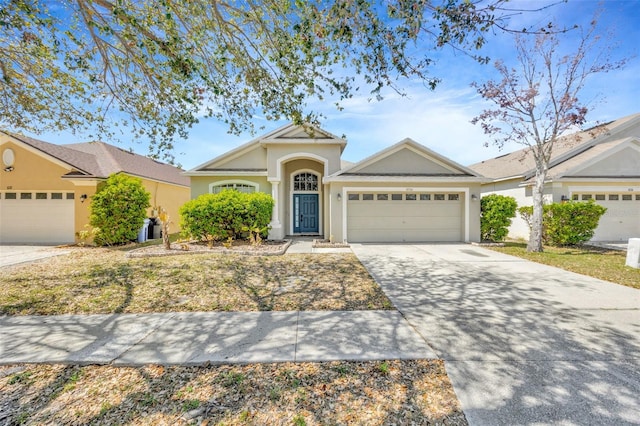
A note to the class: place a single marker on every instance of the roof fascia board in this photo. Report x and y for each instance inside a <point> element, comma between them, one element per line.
<point>630,142</point>
<point>414,146</point>
<point>580,148</point>
<point>225,173</point>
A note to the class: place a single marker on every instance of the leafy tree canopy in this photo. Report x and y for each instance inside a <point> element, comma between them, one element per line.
<point>158,66</point>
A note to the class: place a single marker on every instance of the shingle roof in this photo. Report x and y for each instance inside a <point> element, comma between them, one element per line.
<point>521,163</point>
<point>99,159</point>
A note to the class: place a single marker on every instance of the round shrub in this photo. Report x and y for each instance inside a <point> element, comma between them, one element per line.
<point>118,210</point>
<point>228,214</point>
<point>567,224</point>
<point>495,217</point>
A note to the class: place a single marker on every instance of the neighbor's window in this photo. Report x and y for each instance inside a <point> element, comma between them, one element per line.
<point>305,182</point>
<point>240,187</point>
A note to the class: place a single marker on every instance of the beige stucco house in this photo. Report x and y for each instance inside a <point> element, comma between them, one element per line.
<point>404,193</point>
<point>45,188</point>
<point>602,163</point>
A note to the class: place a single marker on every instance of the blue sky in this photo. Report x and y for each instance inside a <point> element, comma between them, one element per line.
<point>440,119</point>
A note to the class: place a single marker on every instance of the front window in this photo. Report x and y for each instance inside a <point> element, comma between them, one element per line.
<point>305,182</point>
<point>240,187</point>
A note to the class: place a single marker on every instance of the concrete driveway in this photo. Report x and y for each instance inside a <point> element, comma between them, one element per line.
<point>523,343</point>
<point>15,254</point>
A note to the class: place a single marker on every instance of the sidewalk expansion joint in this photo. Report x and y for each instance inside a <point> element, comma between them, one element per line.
<point>152,330</point>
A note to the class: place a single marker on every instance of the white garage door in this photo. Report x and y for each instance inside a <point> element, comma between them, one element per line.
<point>37,217</point>
<point>404,217</point>
<point>622,219</point>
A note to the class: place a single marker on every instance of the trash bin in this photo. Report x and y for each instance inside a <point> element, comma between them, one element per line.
<point>157,229</point>
<point>142,234</point>
<point>152,222</point>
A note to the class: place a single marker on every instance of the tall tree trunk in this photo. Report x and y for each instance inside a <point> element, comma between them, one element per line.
<point>535,237</point>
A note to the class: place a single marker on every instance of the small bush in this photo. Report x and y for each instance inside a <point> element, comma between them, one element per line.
<point>496,214</point>
<point>118,210</point>
<point>227,215</point>
<point>566,224</point>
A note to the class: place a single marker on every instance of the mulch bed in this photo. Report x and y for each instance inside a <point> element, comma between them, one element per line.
<point>266,248</point>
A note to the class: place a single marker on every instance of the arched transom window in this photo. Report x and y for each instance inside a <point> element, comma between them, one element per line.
<point>305,182</point>
<point>238,186</point>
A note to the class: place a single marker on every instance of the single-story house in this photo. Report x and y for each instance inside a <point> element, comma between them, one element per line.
<point>601,164</point>
<point>406,192</point>
<point>46,188</point>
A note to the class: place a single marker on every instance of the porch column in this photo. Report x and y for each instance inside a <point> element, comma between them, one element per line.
<point>275,233</point>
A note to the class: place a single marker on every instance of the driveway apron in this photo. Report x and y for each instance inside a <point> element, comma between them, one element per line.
<point>523,343</point>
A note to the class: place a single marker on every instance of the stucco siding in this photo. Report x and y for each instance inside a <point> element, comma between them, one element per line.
<point>623,163</point>
<point>255,158</point>
<point>406,161</point>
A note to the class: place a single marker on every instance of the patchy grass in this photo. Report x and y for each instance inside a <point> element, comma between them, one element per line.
<point>95,280</point>
<point>608,265</point>
<point>358,393</point>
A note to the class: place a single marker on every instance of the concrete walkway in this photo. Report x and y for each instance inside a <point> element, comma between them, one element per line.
<point>523,343</point>
<point>16,254</point>
<point>215,337</point>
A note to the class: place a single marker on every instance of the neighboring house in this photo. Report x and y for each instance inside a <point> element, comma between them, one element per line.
<point>602,163</point>
<point>45,189</point>
<point>403,193</point>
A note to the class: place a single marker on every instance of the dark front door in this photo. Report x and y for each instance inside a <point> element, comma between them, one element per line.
<point>305,213</point>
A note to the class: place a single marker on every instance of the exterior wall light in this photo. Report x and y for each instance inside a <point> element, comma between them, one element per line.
<point>339,196</point>
<point>83,197</point>
<point>474,197</point>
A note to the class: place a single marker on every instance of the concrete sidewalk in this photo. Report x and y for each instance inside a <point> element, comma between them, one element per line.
<point>215,337</point>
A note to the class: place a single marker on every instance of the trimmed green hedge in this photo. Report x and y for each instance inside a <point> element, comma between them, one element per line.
<point>227,215</point>
<point>496,212</point>
<point>118,210</point>
<point>567,224</point>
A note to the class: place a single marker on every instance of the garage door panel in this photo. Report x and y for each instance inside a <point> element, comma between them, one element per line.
<point>37,221</point>
<point>404,220</point>
<point>620,222</point>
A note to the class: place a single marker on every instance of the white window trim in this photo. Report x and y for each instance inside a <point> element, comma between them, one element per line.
<point>234,181</point>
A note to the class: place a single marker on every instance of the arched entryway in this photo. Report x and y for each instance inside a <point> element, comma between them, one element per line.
<point>305,191</point>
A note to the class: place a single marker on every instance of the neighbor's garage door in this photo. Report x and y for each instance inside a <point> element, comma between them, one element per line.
<point>400,217</point>
<point>37,217</point>
<point>622,218</point>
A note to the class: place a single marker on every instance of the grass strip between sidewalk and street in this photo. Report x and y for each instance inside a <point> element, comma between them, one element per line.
<point>414,392</point>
